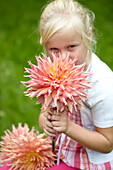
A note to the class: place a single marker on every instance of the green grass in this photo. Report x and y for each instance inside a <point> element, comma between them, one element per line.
<point>19,42</point>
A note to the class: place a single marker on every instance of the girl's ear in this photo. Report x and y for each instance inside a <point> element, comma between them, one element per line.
<point>90,32</point>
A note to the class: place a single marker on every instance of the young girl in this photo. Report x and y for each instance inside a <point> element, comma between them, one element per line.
<point>84,138</point>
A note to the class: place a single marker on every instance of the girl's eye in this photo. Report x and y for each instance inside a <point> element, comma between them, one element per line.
<point>54,49</point>
<point>72,46</point>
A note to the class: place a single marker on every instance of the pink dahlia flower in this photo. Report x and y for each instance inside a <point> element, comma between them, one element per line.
<point>60,84</point>
<point>25,149</point>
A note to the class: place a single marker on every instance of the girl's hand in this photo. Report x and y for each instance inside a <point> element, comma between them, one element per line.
<point>47,125</point>
<point>60,121</point>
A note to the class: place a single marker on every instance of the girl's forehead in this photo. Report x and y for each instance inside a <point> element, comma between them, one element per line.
<point>64,36</point>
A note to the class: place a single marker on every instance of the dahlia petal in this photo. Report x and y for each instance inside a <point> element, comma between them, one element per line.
<point>67,95</point>
<point>40,99</point>
<point>70,106</point>
<point>43,91</point>
<point>48,100</point>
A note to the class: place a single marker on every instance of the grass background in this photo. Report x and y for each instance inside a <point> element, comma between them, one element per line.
<point>19,42</point>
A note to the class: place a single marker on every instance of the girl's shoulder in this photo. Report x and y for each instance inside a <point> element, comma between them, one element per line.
<point>101,77</point>
<point>99,69</point>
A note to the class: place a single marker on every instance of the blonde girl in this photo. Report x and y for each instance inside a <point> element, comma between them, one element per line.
<point>84,139</point>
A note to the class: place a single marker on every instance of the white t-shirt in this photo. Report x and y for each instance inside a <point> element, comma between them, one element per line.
<point>98,109</point>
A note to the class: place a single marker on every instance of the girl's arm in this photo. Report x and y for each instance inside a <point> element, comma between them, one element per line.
<point>100,140</point>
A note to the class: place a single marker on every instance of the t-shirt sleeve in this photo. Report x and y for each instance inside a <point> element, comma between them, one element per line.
<point>101,101</point>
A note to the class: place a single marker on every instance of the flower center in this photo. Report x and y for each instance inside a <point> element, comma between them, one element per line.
<point>34,157</point>
<point>57,74</point>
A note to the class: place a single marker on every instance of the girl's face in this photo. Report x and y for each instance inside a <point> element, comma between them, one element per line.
<point>70,42</point>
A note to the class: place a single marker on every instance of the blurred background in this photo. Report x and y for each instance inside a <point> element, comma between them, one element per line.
<point>19,43</point>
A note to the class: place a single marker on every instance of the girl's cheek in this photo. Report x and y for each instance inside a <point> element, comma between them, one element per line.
<point>74,55</point>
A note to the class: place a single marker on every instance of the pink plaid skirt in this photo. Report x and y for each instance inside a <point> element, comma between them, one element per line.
<point>63,166</point>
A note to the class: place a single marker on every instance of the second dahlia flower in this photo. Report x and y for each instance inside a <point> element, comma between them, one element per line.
<point>60,84</point>
<point>25,149</point>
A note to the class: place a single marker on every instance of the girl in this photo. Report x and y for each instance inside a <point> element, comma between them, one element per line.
<point>84,138</point>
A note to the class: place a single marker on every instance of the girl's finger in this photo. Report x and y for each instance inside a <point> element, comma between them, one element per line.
<point>47,115</point>
<point>58,129</point>
<point>56,124</point>
<point>49,127</point>
<point>48,133</point>
<point>52,131</point>
<point>48,124</point>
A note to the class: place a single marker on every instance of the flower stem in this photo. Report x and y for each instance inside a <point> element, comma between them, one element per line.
<point>53,144</point>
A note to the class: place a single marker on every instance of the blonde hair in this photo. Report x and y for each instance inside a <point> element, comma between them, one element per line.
<point>60,14</point>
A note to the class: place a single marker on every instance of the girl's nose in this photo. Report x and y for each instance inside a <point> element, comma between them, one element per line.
<point>63,54</point>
